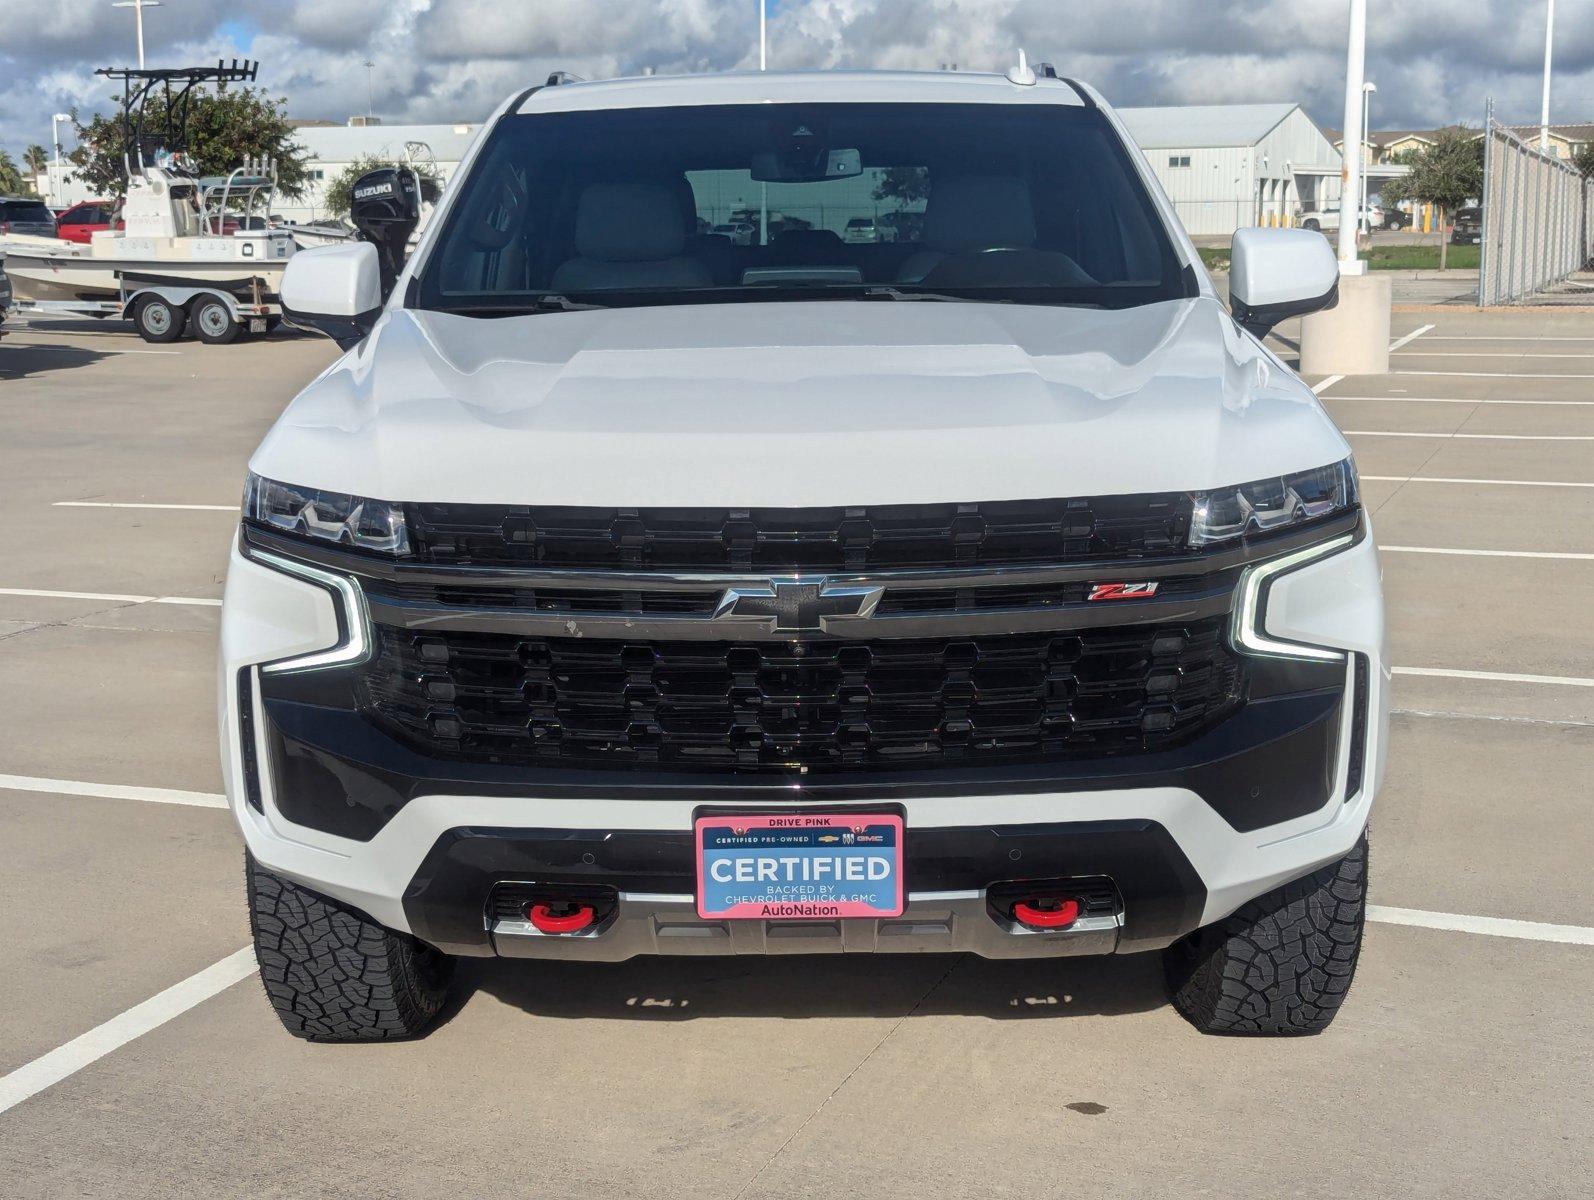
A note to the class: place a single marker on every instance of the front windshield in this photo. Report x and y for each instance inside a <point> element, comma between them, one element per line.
<point>1032,203</point>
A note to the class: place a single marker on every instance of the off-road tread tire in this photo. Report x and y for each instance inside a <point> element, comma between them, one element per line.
<point>1283,963</point>
<point>334,975</point>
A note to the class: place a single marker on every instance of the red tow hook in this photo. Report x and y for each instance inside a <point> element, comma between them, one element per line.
<point>1046,912</point>
<point>569,918</point>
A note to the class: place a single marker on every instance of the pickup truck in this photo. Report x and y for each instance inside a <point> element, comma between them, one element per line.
<point>624,591</point>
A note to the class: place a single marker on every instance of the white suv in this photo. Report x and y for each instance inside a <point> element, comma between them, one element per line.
<point>622,591</point>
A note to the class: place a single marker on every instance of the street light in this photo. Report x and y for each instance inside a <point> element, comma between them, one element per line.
<point>1367,109</point>
<point>138,7</point>
<point>1350,176</point>
<point>1549,43</point>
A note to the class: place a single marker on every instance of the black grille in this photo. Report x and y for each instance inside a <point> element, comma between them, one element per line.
<point>996,533</point>
<point>810,704</point>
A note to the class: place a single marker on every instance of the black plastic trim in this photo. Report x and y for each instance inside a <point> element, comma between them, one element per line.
<point>1358,728</point>
<point>1163,895</point>
<point>1084,96</point>
<point>1273,759</point>
<point>246,739</point>
<point>347,332</point>
<point>1259,321</point>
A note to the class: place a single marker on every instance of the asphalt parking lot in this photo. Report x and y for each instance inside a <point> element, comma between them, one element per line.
<point>138,1057</point>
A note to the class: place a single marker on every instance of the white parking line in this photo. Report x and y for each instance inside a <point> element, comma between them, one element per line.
<point>94,350</point>
<point>49,1069</point>
<point>1536,931</point>
<point>1476,437</point>
<point>1492,337</point>
<point>1486,354</point>
<point>1495,676</point>
<point>111,791</point>
<point>1322,385</point>
<point>1462,400</point>
<point>122,504</point>
<point>1475,482</point>
<point>1410,337</point>
<point>1491,375</point>
<point>1569,556</point>
<point>112,597</point>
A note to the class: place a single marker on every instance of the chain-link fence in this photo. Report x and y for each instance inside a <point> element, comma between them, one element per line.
<point>1538,218</point>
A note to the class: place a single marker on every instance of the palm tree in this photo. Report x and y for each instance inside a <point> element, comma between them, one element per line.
<point>36,158</point>
<point>10,178</point>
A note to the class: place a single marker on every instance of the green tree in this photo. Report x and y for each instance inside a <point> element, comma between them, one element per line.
<point>1583,160</point>
<point>908,184</point>
<point>35,158</point>
<point>1447,174</point>
<point>224,128</point>
<point>1397,190</point>
<point>340,190</point>
<point>11,181</point>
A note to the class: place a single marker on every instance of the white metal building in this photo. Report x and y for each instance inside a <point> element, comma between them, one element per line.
<point>1226,166</point>
<point>333,147</point>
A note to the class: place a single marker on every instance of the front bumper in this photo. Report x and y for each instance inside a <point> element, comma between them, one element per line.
<point>1183,842</point>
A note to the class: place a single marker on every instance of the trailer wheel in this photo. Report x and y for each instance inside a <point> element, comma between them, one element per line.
<point>213,321</point>
<point>157,320</point>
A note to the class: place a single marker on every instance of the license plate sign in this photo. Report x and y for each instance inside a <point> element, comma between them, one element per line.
<point>798,866</point>
<point>257,324</point>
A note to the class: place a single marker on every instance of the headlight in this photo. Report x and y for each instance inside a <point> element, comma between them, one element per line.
<point>1270,504</point>
<point>355,521</point>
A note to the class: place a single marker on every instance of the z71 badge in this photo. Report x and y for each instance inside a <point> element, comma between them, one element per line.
<point>1122,591</point>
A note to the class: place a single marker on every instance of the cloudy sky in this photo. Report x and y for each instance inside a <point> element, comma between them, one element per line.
<point>452,60</point>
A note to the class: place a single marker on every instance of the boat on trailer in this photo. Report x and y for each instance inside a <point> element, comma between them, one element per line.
<point>195,252</point>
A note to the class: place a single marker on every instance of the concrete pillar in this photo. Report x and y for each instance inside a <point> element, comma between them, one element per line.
<point>1351,338</point>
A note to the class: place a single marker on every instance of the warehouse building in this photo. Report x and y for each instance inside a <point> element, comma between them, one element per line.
<point>1226,166</point>
<point>333,147</point>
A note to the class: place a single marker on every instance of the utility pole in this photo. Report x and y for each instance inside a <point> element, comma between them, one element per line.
<point>1351,169</point>
<point>1549,44</point>
<point>763,65</point>
<point>370,95</point>
<point>138,7</point>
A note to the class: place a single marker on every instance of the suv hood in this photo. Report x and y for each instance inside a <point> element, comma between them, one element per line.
<point>814,403</point>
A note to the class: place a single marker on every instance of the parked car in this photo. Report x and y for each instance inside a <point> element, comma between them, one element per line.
<point>861,231</point>
<point>82,221</point>
<point>1466,229</point>
<point>1013,600</point>
<point>5,295</point>
<point>1327,219</point>
<point>19,214</point>
<point>739,232</point>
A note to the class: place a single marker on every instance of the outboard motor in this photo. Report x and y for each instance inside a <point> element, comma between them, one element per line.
<point>385,208</point>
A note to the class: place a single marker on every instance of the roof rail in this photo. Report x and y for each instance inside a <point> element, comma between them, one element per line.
<point>1046,71</point>
<point>561,77</point>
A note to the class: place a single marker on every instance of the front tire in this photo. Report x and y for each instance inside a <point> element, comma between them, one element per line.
<point>334,975</point>
<point>1282,964</point>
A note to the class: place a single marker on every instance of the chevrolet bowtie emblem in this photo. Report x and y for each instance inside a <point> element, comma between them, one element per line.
<point>797,602</point>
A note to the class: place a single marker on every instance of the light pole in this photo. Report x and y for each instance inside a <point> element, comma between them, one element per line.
<point>370,94</point>
<point>1367,109</point>
<point>1350,175</point>
<point>138,7</point>
<point>763,65</point>
<point>55,140</point>
<point>1549,43</point>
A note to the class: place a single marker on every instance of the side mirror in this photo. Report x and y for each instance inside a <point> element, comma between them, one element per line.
<point>335,290</point>
<point>386,207</point>
<point>1275,274</point>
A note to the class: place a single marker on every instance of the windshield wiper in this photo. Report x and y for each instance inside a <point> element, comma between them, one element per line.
<point>887,292</point>
<point>547,302</point>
